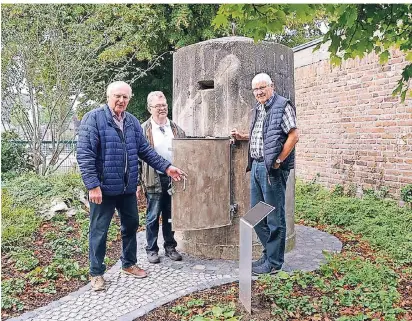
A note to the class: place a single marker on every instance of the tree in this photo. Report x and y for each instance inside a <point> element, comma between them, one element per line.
<point>159,78</point>
<point>58,59</point>
<point>359,29</point>
<point>354,29</point>
<point>267,20</point>
<point>147,35</point>
<point>44,73</point>
<point>49,69</point>
<point>297,34</point>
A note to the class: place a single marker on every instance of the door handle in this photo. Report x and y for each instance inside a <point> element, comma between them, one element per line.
<point>172,189</point>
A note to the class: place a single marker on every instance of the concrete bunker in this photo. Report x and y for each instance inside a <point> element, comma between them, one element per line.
<point>211,95</point>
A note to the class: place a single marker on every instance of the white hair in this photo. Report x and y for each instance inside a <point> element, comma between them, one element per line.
<point>152,95</point>
<point>117,84</point>
<point>261,77</point>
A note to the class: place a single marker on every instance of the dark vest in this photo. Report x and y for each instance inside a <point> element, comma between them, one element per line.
<point>273,136</point>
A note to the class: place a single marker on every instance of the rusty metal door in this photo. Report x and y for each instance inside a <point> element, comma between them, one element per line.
<point>202,201</point>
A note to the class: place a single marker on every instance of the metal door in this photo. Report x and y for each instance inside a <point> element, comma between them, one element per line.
<point>202,201</point>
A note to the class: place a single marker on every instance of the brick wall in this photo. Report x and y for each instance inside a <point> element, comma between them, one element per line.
<point>352,131</point>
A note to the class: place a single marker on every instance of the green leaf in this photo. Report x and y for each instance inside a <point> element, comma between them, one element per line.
<point>200,318</point>
<point>384,57</point>
<point>217,311</point>
<point>335,60</point>
<point>252,24</point>
<point>229,314</point>
<point>351,16</point>
<point>302,11</point>
<point>275,26</point>
<point>409,56</point>
<point>340,9</point>
<point>220,20</point>
<point>283,275</point>
<point>281,16</point>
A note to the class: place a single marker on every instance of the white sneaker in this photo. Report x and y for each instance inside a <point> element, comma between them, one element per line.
<point>98,283</point>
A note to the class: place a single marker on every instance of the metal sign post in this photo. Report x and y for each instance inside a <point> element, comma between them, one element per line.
<point>247,223</point>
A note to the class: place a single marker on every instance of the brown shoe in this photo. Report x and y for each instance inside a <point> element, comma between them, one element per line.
<point>135,271</point>
<point>97,283</point>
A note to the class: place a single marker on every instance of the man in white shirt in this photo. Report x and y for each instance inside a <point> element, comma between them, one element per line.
<point>159,131</point>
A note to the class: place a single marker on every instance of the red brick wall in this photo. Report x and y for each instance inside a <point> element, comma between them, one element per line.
<point>352,131</point>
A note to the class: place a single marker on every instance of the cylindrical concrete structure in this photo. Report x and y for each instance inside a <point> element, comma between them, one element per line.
<point>212,83</point>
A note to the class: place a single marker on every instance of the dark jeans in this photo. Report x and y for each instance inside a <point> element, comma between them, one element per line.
<point>159,203</point>
<point>100,217</point>
<point>271,230</point>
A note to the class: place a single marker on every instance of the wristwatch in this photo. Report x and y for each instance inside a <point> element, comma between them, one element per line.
<point>278,161</point>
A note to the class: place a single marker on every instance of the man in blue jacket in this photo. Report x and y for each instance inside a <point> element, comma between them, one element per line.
<point>272,138</point>
<point>109,145</point>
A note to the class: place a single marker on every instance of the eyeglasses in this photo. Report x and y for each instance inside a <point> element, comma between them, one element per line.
<point>159,106</point>
<point>125,97</point>
<point>255,90</point>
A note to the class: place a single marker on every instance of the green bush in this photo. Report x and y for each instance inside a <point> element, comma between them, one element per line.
<point>10,289</point>
<point>338,190</point>
<point>19,222</point>
<point>14,157</point>
<point>344,281</point>
<point>406,193</point>
<point>190,311</point>
<point>70,269</point>
<point>65,247</point>
<point>25,259</point>
<point>11,302</point>
<point>83,220</point>
<point>49,289</point>
<point>142,218</point>
<point>383,223</point>
<point>38,190</point>
<point>35,277</point>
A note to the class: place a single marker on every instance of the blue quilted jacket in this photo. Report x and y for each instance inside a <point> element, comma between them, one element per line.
<point>273,136</point>
<point>102,151</point>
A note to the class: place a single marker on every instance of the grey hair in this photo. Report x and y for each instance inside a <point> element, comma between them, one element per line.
<point>153,94</point>
<point>261,77</point>
<point>116,84</point>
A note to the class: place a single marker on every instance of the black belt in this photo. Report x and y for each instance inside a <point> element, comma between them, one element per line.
<point>259,160</point>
